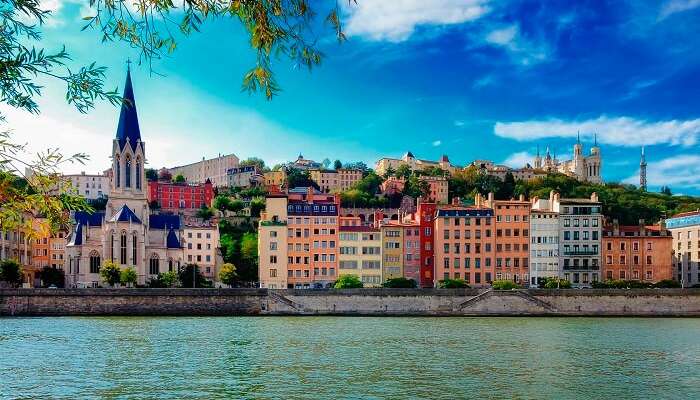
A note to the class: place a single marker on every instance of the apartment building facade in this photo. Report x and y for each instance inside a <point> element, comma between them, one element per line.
<point>200,246</point>
<point>685,231</point>
<point>214,169</point>
<point>361,253</point>
<point>544,245</point>
<point>639,253</point>
<point>392,234</point>
<point>272,243</point>
<point>580,239</point>
<point>180,197</point>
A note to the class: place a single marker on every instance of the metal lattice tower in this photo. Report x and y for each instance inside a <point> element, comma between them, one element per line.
<point>643,171</point>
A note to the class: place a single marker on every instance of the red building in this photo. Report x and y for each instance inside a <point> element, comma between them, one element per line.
<point>175,197</point>
<point>426,215</point>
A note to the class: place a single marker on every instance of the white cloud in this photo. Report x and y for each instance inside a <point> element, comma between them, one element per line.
<point>523,50</point>
<point>459,123</point>
<point>620,131</point>
<point>676,6</point>
<point>681,171</point>
<point>519,159</point>
<point>436,143</point>
<point>483,81</point>
<point>396,20</point>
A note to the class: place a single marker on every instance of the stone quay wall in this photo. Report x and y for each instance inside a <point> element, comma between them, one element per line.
<point>376,302</point>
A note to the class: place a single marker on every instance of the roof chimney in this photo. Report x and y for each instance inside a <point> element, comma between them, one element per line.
<point>521,197</point>
<point>594,196</point>
<point>490,200</point>
<point>616,227</point>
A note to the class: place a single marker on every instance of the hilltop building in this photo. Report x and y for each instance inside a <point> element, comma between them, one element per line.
<point>583,168</point>
<point>415,164</point>
<point>214,169</point>
<point>126,232</point>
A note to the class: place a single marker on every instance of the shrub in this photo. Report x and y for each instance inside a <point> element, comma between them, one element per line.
<point>52,276</point>
<point>163,280</point>
<point>128,276</point>
<point>558,283</point>
<point>504,284</point>
<point>667,283</point>
<point>453,284</point>
<point>348,282</point>
<point>110,273</point>
<point>190,276</point>
<point>400,283</point>
<point>228,274</point>
<point>11,272</point>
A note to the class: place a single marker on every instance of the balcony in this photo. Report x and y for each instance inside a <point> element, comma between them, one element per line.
<point>580,253</point>
<point>581,268</point>
<point>273,223</point>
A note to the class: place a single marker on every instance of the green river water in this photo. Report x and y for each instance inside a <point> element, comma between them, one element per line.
<point>349,358</point>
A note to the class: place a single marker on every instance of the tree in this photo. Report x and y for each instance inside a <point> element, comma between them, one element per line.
<point>257,205</point>
<point>666,190</point>
<point>228,274</point>
<point>165,175</point>
<point>154,205</point>
<point>416,187</point>
<point>151,174</point>
<point>253,161</point>
<point>452,284</point>
<point>163,280</point>
<point>222,203</point>
<point>205,212</point>
<point>110,273</point>
<point>337,165</point>
<point>52,276</point>
<point>128,276</point>
<point>180,179</point>
<point>11,272</point>
<point>298,178</point>
<point>190,276</point>
<point>403,171</point>
<point>326,163</point>
<point>348,281</point>
<point>400,283</point>
<point>504,284</point>
<point>667,283</point>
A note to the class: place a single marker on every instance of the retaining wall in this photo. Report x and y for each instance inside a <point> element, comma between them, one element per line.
<point>399,302</point>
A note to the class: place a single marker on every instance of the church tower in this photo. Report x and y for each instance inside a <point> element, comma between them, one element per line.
<point>128,157</point>
<point>538,159</point>
<point>643,171</point>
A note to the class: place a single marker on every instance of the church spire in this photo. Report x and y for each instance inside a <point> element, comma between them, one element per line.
<point>642,171</point>
<point>128,120</point>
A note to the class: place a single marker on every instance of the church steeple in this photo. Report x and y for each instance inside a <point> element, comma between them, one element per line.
<point>128,119</point>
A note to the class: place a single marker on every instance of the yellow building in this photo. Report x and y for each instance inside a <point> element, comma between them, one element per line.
<point>392,251</point>
<point>361,254</point>
<point>326,179</point>
<point>275,178</point>
<point>272,243</point>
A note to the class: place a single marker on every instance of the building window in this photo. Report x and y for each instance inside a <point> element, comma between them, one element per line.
<point>127,173</point>
<point>122,249</point>
<point>117,172</point>
<point>154,265</point>
<point>138,173</point>
<point>133,248</point>
<point>94,263</point>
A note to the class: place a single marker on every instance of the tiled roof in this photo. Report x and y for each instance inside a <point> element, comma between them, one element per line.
<point>125,215</point>
<point>94,219</point>
<point>128,127</point>
<point>164,221</point>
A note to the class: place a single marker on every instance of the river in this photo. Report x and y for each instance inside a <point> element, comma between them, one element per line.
<point>349,358</point>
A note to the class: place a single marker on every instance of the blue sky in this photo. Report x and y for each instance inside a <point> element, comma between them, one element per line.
<point>470,79</point>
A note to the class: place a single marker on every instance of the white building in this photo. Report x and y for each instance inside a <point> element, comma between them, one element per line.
<point>200,244</point>
<point>90,186</point>
<point>583,168</point>
<point>214,169</point>
<point>544,244</point>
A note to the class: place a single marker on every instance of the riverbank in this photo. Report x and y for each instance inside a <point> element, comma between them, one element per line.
<point>387,302</point>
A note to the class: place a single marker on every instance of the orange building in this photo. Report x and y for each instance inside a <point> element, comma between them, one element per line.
<point>638,253</point>
<point>512,238</point>
<point>312,238</point>
<point>464,244</point>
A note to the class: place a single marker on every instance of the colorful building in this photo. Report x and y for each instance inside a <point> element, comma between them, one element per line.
<point>392,234</point>
<point>272,243</point>
<point>326,179</point>
<point>425,217</point>
<point>685,230</point>
<point>439,189</point>
<point>638,253</point>
<point>180,197</point>
<point>275,178</point>
<point>302,226</point>
<point>360,252</point>
<point>544,244</point>
<point>580,235</point>
<point>462,248</point>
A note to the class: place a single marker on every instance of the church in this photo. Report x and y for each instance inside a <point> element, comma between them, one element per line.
<point>126,233</point>
<point>584,168</point>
